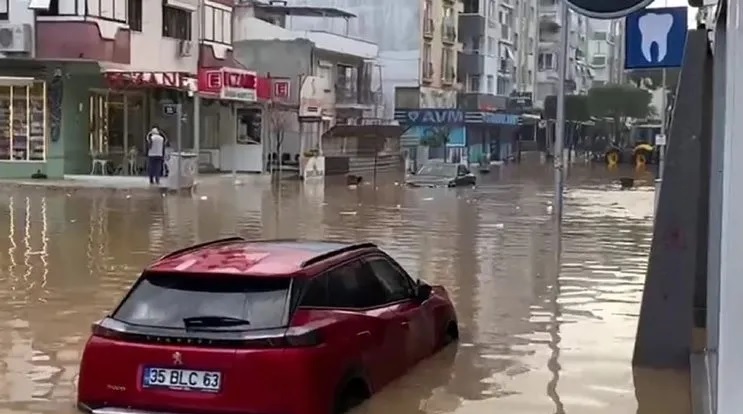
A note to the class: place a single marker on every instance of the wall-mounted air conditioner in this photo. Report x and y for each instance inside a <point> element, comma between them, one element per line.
<point>185,48</point>
<point>15,38</point>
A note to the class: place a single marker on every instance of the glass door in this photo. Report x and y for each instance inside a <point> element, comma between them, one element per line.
<point>98,124</point>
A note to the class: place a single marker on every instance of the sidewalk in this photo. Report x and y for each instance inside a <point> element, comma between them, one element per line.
<point>126,184</point>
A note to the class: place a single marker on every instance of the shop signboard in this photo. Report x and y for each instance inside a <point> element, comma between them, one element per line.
<point>310,97</point>
<point>229,83</point>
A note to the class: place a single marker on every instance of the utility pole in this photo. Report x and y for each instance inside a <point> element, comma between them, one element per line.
<point>562,66</point>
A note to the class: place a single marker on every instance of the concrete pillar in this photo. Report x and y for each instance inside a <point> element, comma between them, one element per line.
<point>730,367</point>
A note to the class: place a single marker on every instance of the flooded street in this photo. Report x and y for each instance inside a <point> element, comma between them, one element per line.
<point>532,341</point>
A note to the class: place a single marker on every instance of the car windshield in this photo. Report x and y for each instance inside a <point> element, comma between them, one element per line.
<point>176,300</point>
<point>439,170</point>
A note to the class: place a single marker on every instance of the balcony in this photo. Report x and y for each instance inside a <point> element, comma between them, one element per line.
<point>508,4</point>
<point>448,33</point>
<point>547,75</point>
<point>506,66</point>
<point>471,25</point>
<point>340,44</point>
<point>428,28</point>
<point>82,39</point>
<point>470,63</point>
<point>427,72</point>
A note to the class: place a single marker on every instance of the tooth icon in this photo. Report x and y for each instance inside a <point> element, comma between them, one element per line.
<point>654,29</point>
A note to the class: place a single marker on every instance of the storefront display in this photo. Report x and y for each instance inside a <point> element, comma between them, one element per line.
<point>23,124</point>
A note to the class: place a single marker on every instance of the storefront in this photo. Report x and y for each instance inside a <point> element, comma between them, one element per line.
<point>228,140</point>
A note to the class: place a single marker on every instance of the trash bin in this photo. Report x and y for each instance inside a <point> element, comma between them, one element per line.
<point>181,170</point>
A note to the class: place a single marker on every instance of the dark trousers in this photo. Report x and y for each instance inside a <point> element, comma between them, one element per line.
<point>154,169</point>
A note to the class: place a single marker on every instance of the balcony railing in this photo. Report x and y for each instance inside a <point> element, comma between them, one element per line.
<point>448,33</point>
<point>428,28</point>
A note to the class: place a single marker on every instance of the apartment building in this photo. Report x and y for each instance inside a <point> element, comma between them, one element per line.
<point>498,51</point>
<point>605,51</point>
<point>82,81</point>
<point>418,46</point>
<point>579,73</point>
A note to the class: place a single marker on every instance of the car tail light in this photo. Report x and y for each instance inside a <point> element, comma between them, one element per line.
<point>103,332</point>
<point>292,338</point>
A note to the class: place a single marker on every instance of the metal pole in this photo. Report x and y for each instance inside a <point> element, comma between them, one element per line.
<point>662,148</point>
<point>179,143</point>
<point>234,152</point>
<point>196,130</point>
<point>562,66</point>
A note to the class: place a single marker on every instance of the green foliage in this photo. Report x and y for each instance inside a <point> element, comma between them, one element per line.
<point>618,102</point>
<point>653,78</point>
<point>576,108</point>
<point>436,137</point>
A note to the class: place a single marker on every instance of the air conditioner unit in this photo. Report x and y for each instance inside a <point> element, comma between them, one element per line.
<point>184,48</point>
<point>15,38</point>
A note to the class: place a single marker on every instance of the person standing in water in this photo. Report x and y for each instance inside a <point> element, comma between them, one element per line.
<point>155,154</point>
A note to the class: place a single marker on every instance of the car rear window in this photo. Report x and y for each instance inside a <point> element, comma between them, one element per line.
<point>165,300</point>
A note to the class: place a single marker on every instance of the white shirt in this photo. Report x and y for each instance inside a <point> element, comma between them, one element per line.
<point>157,144</point>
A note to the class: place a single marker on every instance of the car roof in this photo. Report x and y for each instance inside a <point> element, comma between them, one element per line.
<point>239,256</point>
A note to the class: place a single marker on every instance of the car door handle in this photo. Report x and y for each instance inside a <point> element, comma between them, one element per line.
<point>405,324</point>
<point>363,334</point>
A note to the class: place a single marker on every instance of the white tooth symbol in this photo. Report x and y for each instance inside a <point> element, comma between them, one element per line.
<point>654,29</point>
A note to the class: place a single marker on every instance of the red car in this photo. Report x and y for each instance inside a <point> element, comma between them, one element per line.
<point>262,327</point>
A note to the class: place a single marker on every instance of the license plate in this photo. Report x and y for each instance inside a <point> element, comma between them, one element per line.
<point>182,379</point>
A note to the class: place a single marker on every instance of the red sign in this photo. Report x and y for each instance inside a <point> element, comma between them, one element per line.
<point>229,83</point>
<point>124,79</point>
<point>280,89</point>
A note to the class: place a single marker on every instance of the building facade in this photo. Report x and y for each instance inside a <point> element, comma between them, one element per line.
<point>579,73</point>
<point>331,78</point>
<point>605,51</point>
<point>83,81</point>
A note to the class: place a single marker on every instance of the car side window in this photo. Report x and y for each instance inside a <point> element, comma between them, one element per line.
<point>397,283</point>
<point>462,170</point>
<point>316,293</point>
<point>355,286</point>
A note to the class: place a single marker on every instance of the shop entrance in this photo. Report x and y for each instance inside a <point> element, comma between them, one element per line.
<point>118,126</point>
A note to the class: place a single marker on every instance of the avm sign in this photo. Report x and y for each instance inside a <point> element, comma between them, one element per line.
<point>434,117</point>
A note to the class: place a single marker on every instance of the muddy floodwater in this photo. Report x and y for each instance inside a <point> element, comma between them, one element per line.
<point>536,337</point>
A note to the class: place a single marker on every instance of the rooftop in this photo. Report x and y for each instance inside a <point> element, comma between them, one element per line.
<point>254,258</point>
<point>303,11</point>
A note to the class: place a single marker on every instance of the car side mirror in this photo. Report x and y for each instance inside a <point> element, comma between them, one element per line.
<point>423,291</point>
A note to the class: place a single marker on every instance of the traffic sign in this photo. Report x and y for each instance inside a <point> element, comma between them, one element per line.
<point>655,38</point>
<point>607,9</point>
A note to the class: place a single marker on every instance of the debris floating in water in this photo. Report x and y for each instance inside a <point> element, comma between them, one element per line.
<point>203,198</point>
<point>348,213</point>
<point>428,199</point>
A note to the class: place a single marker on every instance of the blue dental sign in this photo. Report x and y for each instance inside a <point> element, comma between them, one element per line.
<point>656,38</point>
<point>606,9</point>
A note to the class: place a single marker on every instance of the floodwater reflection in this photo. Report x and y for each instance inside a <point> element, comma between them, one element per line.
<point>535,337</point>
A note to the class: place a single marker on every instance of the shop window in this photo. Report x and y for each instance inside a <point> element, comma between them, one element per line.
<point>176,23</point>
<point>4,7</point>
<point>45,7</point>
<point>117,123</point>
<point>134,15</point>
<point>23,122</point>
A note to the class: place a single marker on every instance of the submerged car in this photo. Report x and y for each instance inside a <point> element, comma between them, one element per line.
<point>269,327</point>
<point>441,174</point>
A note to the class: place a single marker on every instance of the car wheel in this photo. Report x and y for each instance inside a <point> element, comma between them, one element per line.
<point>351,396</point>
<point>451,333</point>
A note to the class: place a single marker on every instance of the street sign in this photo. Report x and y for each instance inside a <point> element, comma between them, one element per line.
<point>606,9</point>
<point>660,139</point>
<point>170,109</point>
<point>655,38</point>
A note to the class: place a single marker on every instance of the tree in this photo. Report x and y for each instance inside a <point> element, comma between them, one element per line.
<point>618,102</point>
<point>576,108</point>
<point>280,121</point>
<point>653,78</point>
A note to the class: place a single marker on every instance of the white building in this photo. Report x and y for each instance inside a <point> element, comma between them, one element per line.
<point>606,50</point>
<point>579,73</point>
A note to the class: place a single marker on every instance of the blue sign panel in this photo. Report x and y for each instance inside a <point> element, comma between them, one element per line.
<point>655,38</point>
<point>430,116</point>
<point>457,135</point>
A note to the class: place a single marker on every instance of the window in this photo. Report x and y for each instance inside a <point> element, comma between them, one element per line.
<point>23,122</point>
<point>176,23</point>
<point>491,84</point>
<point>134,17</point>
<point>491,46</point>
<point>217,25</point>
<point>492,8</point>
<point>165,299</point>
<point>4,7</point>
<point>599,61</point>
<point>462,170</point>
<point>45,7</point>
<point>354,286</point>
<point>474,84</point>
<point>398,284</point>
<point>112,10</point>
<point>546,61</point>
<point>501,86</point>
